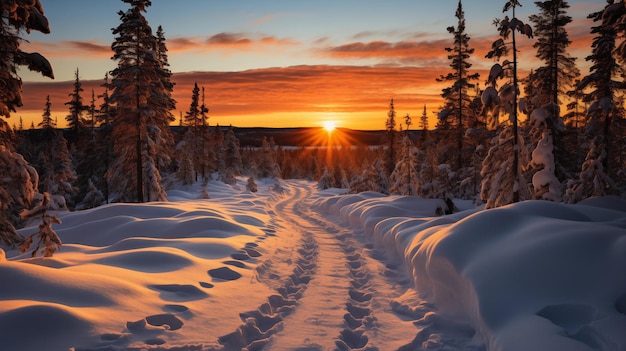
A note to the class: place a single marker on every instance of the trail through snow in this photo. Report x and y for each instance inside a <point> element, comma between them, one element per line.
<point>335,296</point>
<point>291,268</point>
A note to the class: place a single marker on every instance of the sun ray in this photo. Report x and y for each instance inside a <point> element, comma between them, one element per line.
<point>329,126</point>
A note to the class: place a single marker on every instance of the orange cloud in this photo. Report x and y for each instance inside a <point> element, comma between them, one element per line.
<point>292,96</point>
<point>71,48</point>
<point>407,52</point>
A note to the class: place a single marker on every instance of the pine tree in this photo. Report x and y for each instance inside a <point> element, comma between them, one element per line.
<point>18,180</point>
<point>457,99</point>
<point>142,98</point>
<point>75,120</point>
<point>509,144</point>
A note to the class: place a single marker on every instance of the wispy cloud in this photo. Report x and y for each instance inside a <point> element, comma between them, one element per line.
<point>228,39</point>
<point>291,91</point>
<point>71,48</point>
<point>405,52</point>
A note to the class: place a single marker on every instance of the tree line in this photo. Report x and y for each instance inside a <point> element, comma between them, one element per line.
<point>496,144</point>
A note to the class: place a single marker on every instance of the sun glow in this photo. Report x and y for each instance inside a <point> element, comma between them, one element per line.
<point>329,126</point>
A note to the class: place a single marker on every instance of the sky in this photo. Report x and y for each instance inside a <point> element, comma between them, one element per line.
<point>284,63</point>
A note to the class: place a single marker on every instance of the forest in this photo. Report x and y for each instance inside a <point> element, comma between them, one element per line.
<point>554,135</point>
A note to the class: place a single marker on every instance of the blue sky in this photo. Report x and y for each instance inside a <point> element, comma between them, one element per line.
<point>239,36</point>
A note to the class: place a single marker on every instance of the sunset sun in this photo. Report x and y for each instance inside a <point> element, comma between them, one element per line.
<point>329,126</point>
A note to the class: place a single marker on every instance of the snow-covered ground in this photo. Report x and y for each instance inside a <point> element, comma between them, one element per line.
<point>294,268</point>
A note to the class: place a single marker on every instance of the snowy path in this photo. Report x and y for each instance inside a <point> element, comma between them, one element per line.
<point>335,298</point>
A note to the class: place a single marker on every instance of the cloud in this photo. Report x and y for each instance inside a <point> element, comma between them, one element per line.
<point>71,48</point>
<point>225,38</point>
<point>405,52</point>
<point>315,90</point>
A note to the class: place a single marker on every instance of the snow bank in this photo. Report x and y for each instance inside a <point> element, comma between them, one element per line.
<point>536,275</point>
<point>131,275</point>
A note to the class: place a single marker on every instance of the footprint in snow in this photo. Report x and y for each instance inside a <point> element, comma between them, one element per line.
<point>224,273</point>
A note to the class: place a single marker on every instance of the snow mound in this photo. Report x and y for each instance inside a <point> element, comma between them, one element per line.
<point>536,275</point>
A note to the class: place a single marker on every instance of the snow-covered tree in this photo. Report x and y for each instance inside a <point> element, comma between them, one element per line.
<point>457,99</point>
<point>18,180</point>
<point>266,165</point>
<point>141,93</point>
<point>509,144</point>
<point>233,165</point>
<point>47,238</point>
<point>592,182</point>
<point>405,177</point>
<point>326,181</point>
<point>553,79</point>
<point>604,111</point>
<point>183,153</point>
<point>54,165</point>
<point>546,186</point>
<point>389,158</point>
<point>550,82</point>
<point>498,186</point>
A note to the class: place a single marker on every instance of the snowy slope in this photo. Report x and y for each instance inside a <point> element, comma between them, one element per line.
<point>531,276</point>
<point>292,268</point>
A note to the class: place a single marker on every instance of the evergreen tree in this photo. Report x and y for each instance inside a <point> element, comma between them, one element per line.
<point>47,122</point>
<point>267,166</point>
<point>604,110</point>
<point>545,184</point>
<point>54,165</point>
<point>75,120</point>
<point>457,100</point>
<point>142,98</point>
<point>389,160</point>
<point>104,143</point>
<point>232,157</point>
<point>509,144</point>
<point>551,81</point>
<point>405,178</point>
<point>424,124</point>
<point>18,180</point>
<point>196,121</point>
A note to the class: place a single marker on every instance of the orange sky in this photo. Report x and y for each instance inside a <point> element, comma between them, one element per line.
<point>349,81</point>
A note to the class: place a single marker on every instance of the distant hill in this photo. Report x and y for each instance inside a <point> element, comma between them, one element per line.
<point>297,137</point>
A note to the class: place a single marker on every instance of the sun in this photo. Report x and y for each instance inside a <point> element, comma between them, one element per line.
<point>329,126</point>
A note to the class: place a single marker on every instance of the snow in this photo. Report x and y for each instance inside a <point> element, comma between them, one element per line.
<point>302,268</point>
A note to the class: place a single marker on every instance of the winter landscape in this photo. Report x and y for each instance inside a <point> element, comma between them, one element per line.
<point>495,221</point>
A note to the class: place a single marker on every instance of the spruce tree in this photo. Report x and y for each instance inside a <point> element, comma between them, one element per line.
<point>457,100</point>
<point>508,145</point>
<point>389,159</point>
<point>18,180</point>
<point>47,122</point>
<point>142,98</point>
<point>553,79</point>
<point>604,112</point>
<point>75,120</point>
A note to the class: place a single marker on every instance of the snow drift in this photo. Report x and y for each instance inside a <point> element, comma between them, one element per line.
<point>535,275</point>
